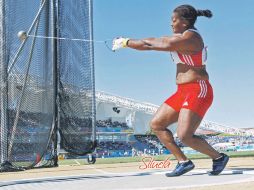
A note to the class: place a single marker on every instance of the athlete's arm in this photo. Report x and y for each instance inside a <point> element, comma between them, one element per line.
<point>184,42</point>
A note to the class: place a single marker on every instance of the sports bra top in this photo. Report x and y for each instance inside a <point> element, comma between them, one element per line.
<point>195,60</point>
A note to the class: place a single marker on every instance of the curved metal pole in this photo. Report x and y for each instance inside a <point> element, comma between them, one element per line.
<point>25,40</point>
<point>23,91</point>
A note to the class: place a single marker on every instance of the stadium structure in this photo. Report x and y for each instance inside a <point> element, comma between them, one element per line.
<point>122,125</point>
<point>137,115</point>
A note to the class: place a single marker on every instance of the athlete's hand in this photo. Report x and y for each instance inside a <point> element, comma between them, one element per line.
<point>119,43</point>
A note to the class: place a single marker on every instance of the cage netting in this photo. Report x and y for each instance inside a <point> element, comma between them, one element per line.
<point>76,77</point>
<point>29,83</point>
<point>47,83</point>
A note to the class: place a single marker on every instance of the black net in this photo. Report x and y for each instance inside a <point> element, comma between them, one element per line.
<point>76,77</point>
<point>42,70</point>
<point>30,89</point>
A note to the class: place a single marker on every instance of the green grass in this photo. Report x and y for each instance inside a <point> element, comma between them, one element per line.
<point>226,135</point>
<point>157,158</point>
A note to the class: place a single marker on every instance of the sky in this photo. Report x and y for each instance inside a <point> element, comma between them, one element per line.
<point>149,76</point>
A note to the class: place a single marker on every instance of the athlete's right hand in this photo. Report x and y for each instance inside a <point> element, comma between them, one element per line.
<point>119,43</point>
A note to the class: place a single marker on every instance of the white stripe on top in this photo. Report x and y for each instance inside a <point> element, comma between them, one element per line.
<point>186,60</point>
<point>191,60</point>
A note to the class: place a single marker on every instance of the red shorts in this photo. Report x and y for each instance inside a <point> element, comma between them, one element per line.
<point>197,97</point>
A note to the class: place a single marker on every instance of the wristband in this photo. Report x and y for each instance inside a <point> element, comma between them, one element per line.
<point>125,42</point>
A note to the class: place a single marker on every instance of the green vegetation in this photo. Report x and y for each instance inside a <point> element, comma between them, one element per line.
<point>157,158</point>
<point>226,135</point>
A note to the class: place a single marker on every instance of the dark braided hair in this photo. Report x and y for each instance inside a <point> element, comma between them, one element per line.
<point>190,14</point>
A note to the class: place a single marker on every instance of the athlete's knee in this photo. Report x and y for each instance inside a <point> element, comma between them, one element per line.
<point>185,138</point>
<point>156,125</point>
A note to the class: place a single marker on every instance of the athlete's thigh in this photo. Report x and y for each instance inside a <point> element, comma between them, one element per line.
<point>188,122</point>
<point>165,116</point>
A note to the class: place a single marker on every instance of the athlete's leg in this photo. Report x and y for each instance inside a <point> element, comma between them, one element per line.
<point>188,122</point>
<point>164,117</point>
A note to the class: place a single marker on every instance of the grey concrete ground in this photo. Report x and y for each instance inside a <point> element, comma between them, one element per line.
<point>239,175</point>
<point>131,180</point>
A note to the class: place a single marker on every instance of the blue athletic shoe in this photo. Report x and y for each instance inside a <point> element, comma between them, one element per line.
<point>181,168</point>
<point>219,165</point>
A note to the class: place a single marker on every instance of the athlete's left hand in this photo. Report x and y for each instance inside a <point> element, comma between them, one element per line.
<point>119,43</point>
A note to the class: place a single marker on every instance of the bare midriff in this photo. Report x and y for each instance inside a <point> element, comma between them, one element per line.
<point>188,74</point>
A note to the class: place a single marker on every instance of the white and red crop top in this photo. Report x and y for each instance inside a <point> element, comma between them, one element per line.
<point>195,60</point>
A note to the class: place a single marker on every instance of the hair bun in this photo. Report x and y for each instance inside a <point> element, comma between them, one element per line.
<point>206,13</point>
